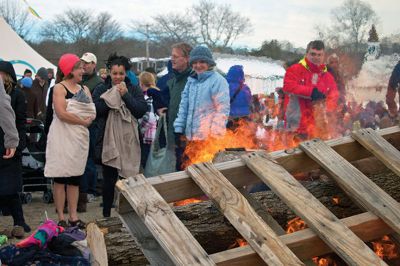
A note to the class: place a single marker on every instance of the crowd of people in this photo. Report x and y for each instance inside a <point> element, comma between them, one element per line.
<point>109,117</point>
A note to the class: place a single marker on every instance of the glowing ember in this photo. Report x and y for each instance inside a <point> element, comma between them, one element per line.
<point>187,201</point>
<point>296,224</point>
<point>385,248</point>
<point>239,242</point>
<point>336,200</point>
<point>324,261</point>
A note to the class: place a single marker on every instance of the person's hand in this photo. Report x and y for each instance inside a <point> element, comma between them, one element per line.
<point>161,111</point>
<point>122,89</point>
<point>87,121</point>
<point>316,95</point>
<point>9,153</point>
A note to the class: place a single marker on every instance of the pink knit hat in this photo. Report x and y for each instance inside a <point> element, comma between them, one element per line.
<point>67,63</point>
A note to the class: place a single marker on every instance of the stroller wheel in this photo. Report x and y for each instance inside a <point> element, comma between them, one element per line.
<point>28,198</point>
<point>47,197</point>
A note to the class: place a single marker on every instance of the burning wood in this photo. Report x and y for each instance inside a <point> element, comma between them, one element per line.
<point>296,224</point>
<point>385,248</point>
<point>187,201</point>
<point>324,261</point>
<point>239,242</point>
<point>335,200</point>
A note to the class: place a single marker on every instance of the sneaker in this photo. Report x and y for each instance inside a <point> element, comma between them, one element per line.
<point>18,231</point>
<point>91,198</point>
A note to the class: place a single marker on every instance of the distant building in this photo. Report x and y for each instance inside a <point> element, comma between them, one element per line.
<point>139,64</point>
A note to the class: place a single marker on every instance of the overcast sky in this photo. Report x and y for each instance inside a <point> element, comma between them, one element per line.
<point>292,20</point>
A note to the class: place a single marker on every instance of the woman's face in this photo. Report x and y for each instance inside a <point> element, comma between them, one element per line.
<point>117,74</point>
<point>2,74</point>
<point>200,66</point>
<point>78,72</point>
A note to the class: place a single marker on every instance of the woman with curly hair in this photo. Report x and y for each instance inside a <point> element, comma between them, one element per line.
<point>118,105</point>
<point>11,167</point>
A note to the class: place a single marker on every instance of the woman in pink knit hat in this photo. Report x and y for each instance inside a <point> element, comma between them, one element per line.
<point>67,88</point>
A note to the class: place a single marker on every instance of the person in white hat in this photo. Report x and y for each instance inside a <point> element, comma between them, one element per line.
<point>87,188</point>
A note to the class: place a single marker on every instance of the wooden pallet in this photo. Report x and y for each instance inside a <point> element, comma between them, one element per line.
<point>144,209</point>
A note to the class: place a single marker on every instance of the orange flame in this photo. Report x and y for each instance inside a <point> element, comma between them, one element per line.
<point>204,150</point>
<point>385,248</point>
<point>336,200</point>
<point>296,224</point>
<point>253,135</point>
<point>239,242</point>
<point>324,261</point>
<point>187,201</point>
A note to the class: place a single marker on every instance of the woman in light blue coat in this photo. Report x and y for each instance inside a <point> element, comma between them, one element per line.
<point>204,107</point>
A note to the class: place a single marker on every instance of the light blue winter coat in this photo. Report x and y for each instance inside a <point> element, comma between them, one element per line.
<point>204,107</point>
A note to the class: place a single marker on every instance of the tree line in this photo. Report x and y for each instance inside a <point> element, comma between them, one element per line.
<point>216,25</point>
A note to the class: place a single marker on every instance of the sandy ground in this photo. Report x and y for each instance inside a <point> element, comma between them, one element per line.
<point>34,213</point>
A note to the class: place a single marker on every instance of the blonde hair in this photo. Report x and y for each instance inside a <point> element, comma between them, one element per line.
<point>8,83</point>
<point>147,79</point>
<point>103,71</point>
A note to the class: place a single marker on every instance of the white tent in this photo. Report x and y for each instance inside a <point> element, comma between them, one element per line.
<point>18,52</point>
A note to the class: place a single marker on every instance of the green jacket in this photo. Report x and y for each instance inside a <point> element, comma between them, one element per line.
<point>176,86</point>
<point>91,81</point>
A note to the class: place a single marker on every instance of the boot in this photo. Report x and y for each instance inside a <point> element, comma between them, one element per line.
<point>82,200</point>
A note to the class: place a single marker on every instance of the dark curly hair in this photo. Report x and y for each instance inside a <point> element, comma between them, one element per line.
<point>118,60</point>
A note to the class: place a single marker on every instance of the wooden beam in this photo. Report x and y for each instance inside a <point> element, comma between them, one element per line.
<point>356,185</point>
<point>239,213</point>
<point>305,243</point>
<point>379,147</point>
<point>161,221</point>
<point>97,245</point>
<point>178,186</point>
<point>152,250</point>
<point>324,223</point>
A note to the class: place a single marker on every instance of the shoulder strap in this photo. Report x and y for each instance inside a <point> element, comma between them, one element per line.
<point>236,92</point>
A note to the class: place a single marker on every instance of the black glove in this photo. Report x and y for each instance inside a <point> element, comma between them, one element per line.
<point>316,95</point>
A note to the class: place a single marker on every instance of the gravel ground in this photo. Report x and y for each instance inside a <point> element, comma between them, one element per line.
<point>34,213</point>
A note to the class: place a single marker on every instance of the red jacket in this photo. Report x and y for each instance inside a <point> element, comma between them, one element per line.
<point>299,82</point>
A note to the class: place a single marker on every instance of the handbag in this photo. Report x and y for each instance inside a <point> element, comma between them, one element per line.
<point>160,160</point>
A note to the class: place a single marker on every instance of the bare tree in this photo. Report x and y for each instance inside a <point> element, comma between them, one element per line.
<point>167,29</point>
<point>104,28</point>
<point>81,26</point>
<point>352,21</point>
<point>219,25</point>
<point>207,23</point>
<point>17,16</point>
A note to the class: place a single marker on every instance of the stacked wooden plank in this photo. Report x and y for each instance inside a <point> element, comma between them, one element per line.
<point>144,208</point>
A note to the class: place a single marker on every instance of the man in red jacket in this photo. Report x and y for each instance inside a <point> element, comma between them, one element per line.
<point>310,93</point>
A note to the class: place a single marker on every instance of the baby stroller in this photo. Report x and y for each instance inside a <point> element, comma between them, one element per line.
<point>33,159</point>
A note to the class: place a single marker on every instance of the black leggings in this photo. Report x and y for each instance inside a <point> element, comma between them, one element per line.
<point>12,203</point>
<point>110,177</point>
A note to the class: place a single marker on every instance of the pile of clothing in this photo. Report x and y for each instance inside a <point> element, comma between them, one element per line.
<point>50,244</point>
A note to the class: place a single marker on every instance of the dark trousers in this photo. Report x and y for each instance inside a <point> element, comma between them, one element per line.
<point>12,203</point>
<point>89,177</point>
<point>180,145</point>
<point>110,177</point>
